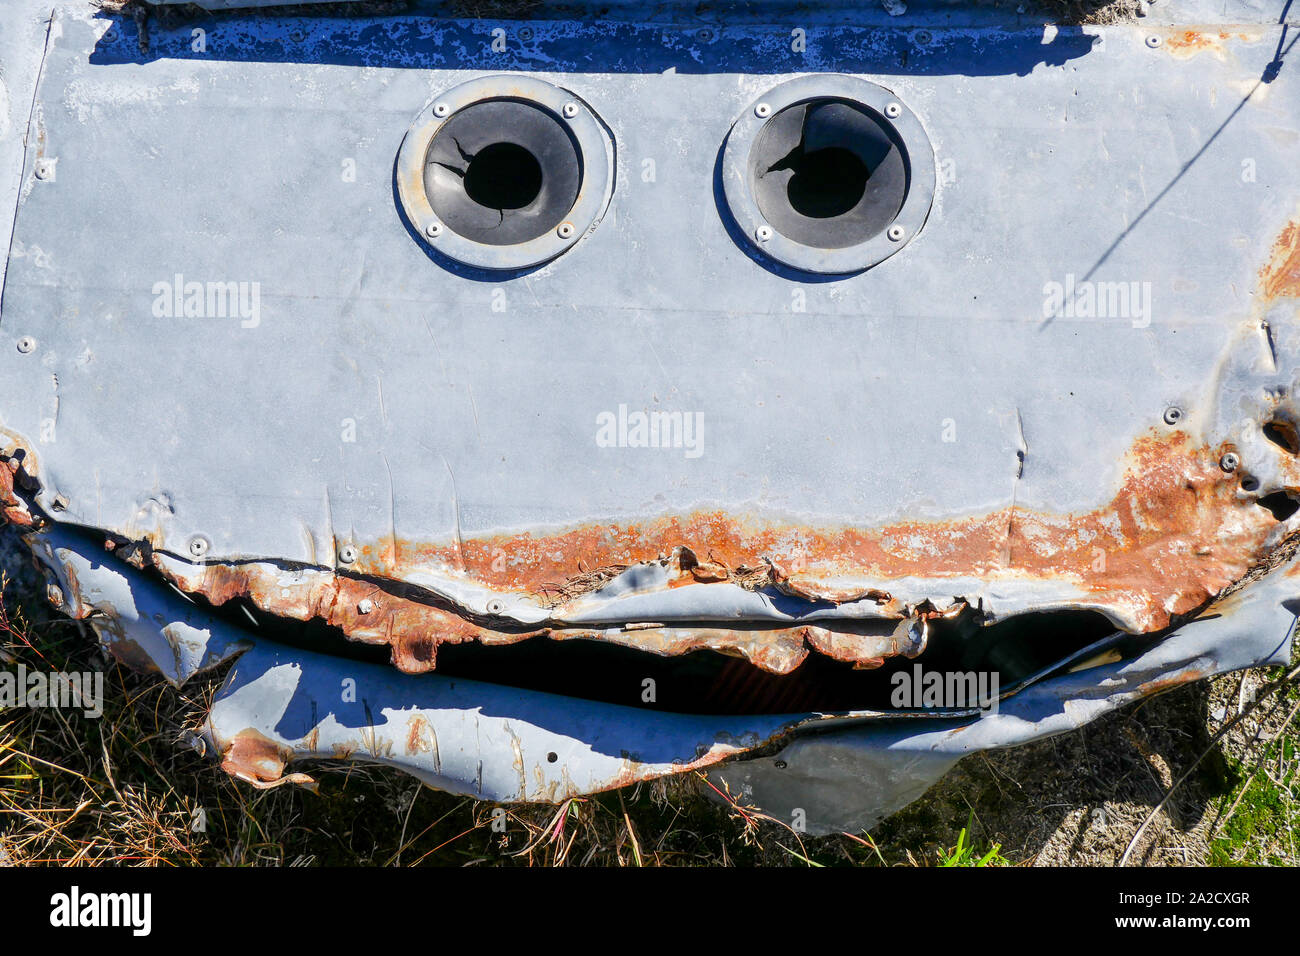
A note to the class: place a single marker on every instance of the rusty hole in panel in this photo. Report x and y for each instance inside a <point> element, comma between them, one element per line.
<point>1280,504</point>
<point>1283,434</point>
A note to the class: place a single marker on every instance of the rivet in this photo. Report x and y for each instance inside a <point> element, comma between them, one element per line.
<point>347,554</point>
<point>433,230</point>
<point>565,231</point>
<point>763,233</point>
<point>762,110</point>
<point>441,109</point>
<point>1229,462</point>
<point>895,233</point>
<point>923,37</point>
<point>1173,415</point>
<point>893,111</point>
<point>570,110</point>
<point>198,546</point>
<point>1153,41</point>
<point>526,33</point>
<point>495,607</point>
<point>26,344</point>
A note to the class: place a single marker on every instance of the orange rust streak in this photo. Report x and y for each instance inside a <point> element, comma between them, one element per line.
<point>1174,534</point>
<point>254,757</point>
<point>12,508</point>
<point>1280,277</point>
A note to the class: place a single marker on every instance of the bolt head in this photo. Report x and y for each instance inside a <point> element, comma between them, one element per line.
<point>570,110</point>
<point>495,607</point>
<point>198,546</point>
<point>762,111</point>
<point>763,233</point>
<point>441,109</point>
<point>1229,462</point>
<point>565,231</point>
<point>347,554</point>
<point>1173,415</point>
<point>433,230</point>
<point>895,233</point>
<point>1153,41</point>
<point>893,111</point>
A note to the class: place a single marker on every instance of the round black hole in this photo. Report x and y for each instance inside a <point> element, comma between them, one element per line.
<point>552,757</point>
<point>503,176</point>
<point>827,173</point>
<point>826,183</point>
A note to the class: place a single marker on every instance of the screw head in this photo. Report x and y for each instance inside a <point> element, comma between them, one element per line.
<point>347,553</point>
<point>762,111</point>
<point>1229,462</point>
<point>763,233</point>
<point>441,109</point>
<point>1173,415</point>
<point>495,607</point>
<point>433,230</point>
<point>570,110</point>
<point>895,233</point>
<point>26,344</point>
<point>893,111</point>
<point>198,546</point>
<point>1153,41</point>
<point>565,231</point>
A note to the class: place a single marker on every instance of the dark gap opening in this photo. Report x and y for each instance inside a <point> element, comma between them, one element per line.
<point>707,682</point>
<point>503,176</point>
<point>826,182</point>
<point>1283,434</point>
<point>1280,504</point>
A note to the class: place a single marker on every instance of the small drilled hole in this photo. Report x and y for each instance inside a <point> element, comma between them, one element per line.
<point>1249,484</point>
<point>1280,504</point>
<point>503,176</point>
<point>552,757</point>
<point>1284,435</point>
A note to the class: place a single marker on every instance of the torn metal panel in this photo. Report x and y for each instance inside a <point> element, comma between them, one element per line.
<point>852,778</point>
<point>274,396</point>
<point>450,485</point>
<point>140,622</point>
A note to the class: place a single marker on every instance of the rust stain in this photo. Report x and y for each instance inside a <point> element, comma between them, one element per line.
<point>1175,533</point>
<point>255,758</point>
<point>1189,43</point>
<point>12,508</point>
<point>1280,277</point>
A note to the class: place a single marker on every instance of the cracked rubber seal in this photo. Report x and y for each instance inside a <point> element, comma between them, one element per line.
<point>493,171</point>
<point>836,174</point>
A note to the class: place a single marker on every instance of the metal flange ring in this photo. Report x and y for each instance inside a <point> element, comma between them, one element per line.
<point>835,175</point>
<point>521,172</point>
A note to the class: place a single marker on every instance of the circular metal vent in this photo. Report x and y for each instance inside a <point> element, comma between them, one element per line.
<point>828,174</point>
<point>505,172</point>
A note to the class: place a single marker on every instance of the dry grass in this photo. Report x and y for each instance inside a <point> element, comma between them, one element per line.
<point>128,788</point>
